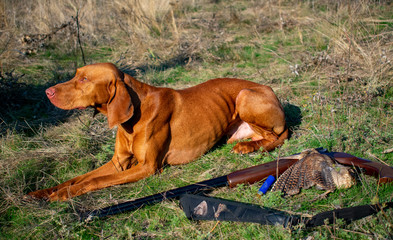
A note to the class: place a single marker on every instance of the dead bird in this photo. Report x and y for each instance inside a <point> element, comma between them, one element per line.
<point>314,169</point>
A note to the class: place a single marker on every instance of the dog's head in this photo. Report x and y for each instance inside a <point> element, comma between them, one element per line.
<point>98,85</point>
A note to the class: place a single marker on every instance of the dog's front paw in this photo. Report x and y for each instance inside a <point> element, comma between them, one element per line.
<point>38,195</point>
<point>245,147</point>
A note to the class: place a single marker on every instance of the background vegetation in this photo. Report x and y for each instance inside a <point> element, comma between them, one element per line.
<point>330,63</point>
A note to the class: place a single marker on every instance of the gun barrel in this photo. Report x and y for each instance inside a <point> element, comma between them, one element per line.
<point>248,175</point>
<point>159,197</point>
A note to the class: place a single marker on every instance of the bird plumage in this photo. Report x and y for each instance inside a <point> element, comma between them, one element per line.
<point>314,169</point>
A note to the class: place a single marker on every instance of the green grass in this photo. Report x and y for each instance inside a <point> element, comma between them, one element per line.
<point>42,146</point>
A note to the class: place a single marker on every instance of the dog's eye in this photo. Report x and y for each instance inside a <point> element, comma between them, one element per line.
<point>83,79</point>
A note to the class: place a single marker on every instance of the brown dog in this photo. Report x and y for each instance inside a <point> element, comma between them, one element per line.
<point>158,126</point>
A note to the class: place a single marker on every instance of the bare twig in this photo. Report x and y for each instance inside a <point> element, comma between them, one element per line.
<point>373,156</point>
<point>176,33</point>
<point>6,45</point>
<point>78,36</point>
<point>390,150</point>
<point>350,231</point>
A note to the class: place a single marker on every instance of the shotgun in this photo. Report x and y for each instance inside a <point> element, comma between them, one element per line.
<point>249,176</point>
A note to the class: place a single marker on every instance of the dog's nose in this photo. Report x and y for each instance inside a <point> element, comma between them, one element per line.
<point>50,92</point>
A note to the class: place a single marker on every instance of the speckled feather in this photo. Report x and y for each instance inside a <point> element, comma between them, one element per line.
<point>313,169</point>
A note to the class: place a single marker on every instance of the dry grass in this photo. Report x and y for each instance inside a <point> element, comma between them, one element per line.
<point>359,49</point>
<point>135,23</point>
<point>96,16</point>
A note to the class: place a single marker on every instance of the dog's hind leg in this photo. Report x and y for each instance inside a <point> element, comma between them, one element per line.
<point>260,109</point>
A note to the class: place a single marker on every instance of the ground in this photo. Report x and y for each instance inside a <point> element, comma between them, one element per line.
<point>328,62</point>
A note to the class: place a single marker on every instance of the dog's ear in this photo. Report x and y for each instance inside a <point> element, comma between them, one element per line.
<point>120,107</point>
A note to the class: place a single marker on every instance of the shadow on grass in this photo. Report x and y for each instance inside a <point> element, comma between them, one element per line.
<point>179,60</point>
<point>24,107</point>
<point>293,116</point>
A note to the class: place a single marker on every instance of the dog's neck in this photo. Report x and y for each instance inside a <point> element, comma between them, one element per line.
<point>137,87</point>
<point>138,92</point>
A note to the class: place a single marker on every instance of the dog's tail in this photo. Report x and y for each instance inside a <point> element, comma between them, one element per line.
<point>280,141</point>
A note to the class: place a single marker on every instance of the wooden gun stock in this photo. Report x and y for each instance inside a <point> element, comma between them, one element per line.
<point>260,172</point>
